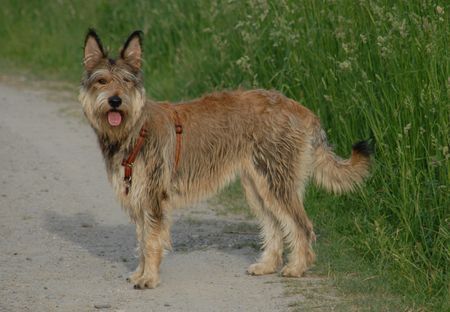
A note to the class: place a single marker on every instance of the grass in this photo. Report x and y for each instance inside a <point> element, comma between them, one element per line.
<point>232,201</point>
<point>368,68</point>
<point>359,284</point>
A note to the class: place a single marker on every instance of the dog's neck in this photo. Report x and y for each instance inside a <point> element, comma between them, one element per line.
<point>110,145</point>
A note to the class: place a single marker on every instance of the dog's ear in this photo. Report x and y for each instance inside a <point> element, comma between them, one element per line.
<point>132,50</point>
<point>93,50</point>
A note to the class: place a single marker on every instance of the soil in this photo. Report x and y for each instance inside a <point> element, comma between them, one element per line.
<point>66,245</point>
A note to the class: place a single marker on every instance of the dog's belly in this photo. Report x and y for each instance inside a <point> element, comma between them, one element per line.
<point>196,184</point>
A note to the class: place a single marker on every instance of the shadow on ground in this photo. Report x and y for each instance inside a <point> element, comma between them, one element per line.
<point>117,243</point>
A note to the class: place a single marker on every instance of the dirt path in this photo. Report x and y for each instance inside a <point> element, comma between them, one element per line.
<point>67,246</point>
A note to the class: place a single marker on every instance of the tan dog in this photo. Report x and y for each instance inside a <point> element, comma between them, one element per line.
<point>189,151</point>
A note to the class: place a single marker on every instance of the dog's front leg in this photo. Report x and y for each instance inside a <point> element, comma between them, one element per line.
<point>136,275</point>
<point>152,247</point>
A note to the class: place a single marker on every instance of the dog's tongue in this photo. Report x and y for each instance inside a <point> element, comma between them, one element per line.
<point>114,118</point>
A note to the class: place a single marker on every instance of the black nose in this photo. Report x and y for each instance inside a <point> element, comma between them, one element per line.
<point>115,101</point>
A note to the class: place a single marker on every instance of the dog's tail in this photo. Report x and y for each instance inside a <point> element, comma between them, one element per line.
<point>340,175</point>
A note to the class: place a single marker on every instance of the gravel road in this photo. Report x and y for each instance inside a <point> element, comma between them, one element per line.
<point>67,246</point>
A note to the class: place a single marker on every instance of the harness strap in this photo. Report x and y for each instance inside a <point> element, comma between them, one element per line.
<point>128,163</point>
<point>178,131</point>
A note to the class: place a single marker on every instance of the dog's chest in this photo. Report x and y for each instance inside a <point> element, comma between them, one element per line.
<point>128,199</point>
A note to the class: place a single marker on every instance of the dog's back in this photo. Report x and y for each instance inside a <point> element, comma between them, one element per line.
<point>235,132</point>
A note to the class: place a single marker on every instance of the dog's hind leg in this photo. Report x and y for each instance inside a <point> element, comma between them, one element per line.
<point>271,257</point>
<point>280,185</point>
<point>299,234</point>
<point>297,231</point>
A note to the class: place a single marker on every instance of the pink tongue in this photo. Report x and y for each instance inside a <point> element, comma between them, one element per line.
<point>114,118</point>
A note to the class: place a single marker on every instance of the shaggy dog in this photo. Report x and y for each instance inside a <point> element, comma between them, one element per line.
<point>160,156</point>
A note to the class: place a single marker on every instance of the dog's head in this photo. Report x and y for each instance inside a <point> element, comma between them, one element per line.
<point>112,92</point>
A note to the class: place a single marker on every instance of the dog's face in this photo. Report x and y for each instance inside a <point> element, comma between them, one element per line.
<point>112,92</point>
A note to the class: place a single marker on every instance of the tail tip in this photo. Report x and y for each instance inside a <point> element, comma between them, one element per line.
<point>365,148</point>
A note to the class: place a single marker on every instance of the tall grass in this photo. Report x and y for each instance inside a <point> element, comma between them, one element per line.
<point>368,68</point>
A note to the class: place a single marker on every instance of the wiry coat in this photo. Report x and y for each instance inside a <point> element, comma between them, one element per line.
<point>273,143</point>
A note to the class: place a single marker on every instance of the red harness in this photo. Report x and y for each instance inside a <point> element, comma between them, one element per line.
<point>129,162</point>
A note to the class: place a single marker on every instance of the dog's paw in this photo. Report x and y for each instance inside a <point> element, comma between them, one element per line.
<point>292,271</point>
<point>134,277</point>
<point>147,282</point>
<point>261,268</point>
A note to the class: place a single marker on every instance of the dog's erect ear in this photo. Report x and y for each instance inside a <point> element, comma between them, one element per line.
<point>132,50</point>
<point>93,50</point>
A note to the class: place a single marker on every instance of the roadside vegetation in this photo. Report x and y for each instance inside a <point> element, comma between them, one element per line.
<point>376,69</point>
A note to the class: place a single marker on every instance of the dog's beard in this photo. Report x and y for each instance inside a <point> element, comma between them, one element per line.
<point>108,121</point>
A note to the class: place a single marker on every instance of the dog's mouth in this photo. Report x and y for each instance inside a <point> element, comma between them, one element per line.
<point>114,118</point>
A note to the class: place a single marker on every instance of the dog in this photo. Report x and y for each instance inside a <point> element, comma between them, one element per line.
<point>160,156</point>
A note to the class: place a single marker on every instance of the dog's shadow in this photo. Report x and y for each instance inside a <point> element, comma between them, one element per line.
<point>117,243</point>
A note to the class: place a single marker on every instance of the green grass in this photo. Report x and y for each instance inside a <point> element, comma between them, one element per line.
<point>361,284</point>
<point>376,68</point>
<point>231,200</point>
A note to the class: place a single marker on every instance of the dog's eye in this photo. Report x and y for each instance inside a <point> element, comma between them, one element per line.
<point>102,81</point>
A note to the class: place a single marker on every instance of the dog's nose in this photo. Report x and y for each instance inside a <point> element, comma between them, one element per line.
<point>115,101</point>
